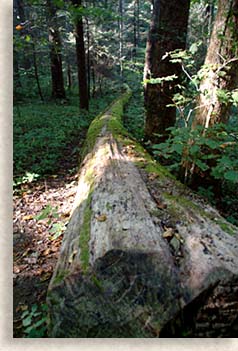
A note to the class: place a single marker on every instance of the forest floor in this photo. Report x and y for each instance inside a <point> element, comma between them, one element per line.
<point>35,253</point>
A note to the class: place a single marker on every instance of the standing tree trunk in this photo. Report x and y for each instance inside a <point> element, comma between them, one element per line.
<point>135,30</point>
<point>222,60</point>
<point>93,78</point>
<point>58,90</point>
<point>167,32</point>
<point>88,57</point>
<point>210,11</point>
<point>121,29</point>
<point>136,26</point>
<point>213,103</point>
<point>69,74</point>
<point>81,60</point>
<point>138,20</point>
<point>20,16</point>
<point>36,72</point>
<point>16,71</point>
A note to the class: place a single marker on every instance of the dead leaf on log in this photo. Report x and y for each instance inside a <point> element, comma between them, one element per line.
<point>153,176</point>
<point>161,206</point>
<point>101,218</point>
<point>169,233</point>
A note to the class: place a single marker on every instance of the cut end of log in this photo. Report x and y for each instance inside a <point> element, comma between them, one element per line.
<point>123,295</point>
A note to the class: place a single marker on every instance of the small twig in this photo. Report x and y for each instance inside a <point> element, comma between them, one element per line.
<point>226,63</point>
<point>188,75</point>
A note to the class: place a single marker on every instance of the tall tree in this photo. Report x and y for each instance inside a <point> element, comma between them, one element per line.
<point>121,30</point>
<point>136,25</point>
<point>27,32</point>
<point>36,73</point>
<point>168,30</point>
<point>81,58</point>
<point>220,78</point>
<point>16,68</point>
<point>221,63</point>
<point>58,90</point>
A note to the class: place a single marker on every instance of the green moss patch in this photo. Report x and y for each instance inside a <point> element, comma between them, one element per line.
<point>227,227</point>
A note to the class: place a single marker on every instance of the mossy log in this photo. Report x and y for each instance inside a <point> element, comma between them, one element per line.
<point>142,255</point>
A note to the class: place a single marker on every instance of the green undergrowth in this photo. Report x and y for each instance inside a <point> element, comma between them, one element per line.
<point>45,132</point>
<point>134,114</point>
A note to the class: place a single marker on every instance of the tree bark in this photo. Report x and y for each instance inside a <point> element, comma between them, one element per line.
<point>167,32</point>
<point>20,16</point>
<point>121,34</point>
<point>221,75</point>
<point>222,60</point>
<point>57,77</point>
<point>81,60</point>
<point>69,75</point>
<point>36,72</point>
<point>88,58</point>
<point>136,261</point>
<point>16,72</point>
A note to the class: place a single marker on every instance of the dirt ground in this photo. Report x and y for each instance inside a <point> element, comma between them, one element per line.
<point>35,250</point>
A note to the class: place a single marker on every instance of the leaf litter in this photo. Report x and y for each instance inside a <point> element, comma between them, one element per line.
<point>40,215</point>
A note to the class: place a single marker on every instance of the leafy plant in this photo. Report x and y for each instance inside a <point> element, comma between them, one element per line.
<point>27,178</point>
<point>56,230</point>
<point>48,211</point>
<point>34,321</point>
<point>215,151</point>
<point>51,213</point>
<point>207,193</point>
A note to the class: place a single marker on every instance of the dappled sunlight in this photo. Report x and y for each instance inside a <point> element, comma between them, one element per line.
<point>94,165</point>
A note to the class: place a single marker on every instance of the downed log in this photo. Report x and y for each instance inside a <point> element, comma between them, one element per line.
<point>142,255</point>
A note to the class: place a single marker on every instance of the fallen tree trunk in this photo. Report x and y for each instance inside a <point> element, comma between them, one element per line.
<point>142,256</point>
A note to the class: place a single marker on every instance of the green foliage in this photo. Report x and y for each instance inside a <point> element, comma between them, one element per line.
<point>57,230</point>
<point>208,154</point>
<point>40,136</point>
<point>51,213</point>
<point>134,113</point>
<point>43,132</point>
<point>34,321</point>
<point>46,212</point>
<point>215,151</point>
<point>160,80</point>
<point>207,193</point>
<point>27,178</point>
